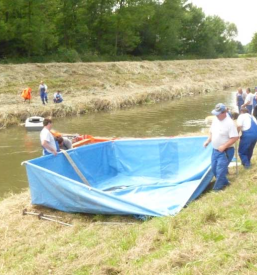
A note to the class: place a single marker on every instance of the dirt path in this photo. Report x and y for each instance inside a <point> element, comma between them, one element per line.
<point>88,87</point>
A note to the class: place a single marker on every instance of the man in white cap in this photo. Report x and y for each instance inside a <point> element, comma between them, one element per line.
<point>223,134</point>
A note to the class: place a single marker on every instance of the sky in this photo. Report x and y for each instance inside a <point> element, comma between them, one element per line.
<point>242,13</point>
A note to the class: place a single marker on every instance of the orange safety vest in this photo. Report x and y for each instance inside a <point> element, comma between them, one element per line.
<point>26,94</point>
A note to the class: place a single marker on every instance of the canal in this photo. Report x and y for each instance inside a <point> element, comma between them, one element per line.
<point>171,118</point>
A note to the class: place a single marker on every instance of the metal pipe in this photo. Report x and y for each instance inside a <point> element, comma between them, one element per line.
<point>45,217</point>
<point>52,220</point>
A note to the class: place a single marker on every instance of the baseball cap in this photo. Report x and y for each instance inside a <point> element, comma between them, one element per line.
<point>219,108</point>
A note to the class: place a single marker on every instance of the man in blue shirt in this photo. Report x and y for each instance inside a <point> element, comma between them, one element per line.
<point>58,97</point>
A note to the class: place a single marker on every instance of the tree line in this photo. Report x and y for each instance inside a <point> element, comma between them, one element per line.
<point>81,28</point>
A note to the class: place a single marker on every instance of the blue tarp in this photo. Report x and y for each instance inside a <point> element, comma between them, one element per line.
<point>153,177</point>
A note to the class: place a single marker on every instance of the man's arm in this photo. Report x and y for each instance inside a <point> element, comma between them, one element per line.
<point>206,143</point>
<point>46,145</point>
<point>228,144</point>
<point>247,102</point>
<point>239,129</point>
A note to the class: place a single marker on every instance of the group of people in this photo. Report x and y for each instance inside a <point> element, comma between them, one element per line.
<point>247,99</point>
<point>27,94</point>
<point>224,133</point>
<point>52,144</point>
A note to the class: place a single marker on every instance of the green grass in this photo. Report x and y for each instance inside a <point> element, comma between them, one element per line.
<point>216,234</point>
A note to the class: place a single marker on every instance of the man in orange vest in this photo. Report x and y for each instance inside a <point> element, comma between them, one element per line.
<point>26,94</point>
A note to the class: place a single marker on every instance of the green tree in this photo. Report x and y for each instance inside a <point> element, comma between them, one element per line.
<point>253,44</point>
<point>192,23</point>
<point>167,25</point>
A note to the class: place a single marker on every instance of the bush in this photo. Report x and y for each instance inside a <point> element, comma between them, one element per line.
<point>68,55</point>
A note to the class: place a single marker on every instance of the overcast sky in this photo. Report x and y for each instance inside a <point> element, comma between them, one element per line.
<point>242,13</point>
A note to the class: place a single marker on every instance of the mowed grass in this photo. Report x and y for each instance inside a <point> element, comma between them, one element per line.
<point>216,234</point>
<point>93,87</point>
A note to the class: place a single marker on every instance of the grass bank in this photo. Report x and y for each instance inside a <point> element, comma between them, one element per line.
<point>217,234</point>
<point>92,87</point>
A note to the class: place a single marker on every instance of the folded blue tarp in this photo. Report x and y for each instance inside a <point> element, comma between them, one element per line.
<point>153,177</point>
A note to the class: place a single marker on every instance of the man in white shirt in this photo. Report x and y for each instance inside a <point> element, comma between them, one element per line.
<point>248,100</point>
<point>223,134</point>
<point>47,139</point>
<point>248,125</point>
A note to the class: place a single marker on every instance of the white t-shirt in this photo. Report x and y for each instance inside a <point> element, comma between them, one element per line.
<point>244,121</point>
<point>249,97</point>
<point>46,135</point>
<point>43,85</point>
<point>222,131</point>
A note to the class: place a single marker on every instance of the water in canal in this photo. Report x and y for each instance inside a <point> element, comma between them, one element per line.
<point>165,119</point>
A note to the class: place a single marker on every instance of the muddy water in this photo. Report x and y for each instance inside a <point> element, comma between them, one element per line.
<point>165,119</point>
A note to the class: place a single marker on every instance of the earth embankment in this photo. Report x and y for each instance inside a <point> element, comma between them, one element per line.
<point>91,87</point>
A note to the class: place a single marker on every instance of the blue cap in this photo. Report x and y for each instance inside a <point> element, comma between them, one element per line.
<point>219,108</point>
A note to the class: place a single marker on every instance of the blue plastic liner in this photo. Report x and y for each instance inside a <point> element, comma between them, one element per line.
<point>152,177</point>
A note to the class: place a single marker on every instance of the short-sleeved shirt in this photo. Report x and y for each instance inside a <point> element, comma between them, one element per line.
<point>46,135</point>
<point>67,144</point>
<point>222,131</point>
<point>43,88</point>
<point>248,98</point>
<point>245,121</point>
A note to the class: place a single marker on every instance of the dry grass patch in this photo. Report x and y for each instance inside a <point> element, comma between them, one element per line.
<point>216,234</point>
<point>91,87</point>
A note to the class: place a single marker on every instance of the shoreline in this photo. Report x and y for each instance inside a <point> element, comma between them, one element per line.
<point>95,87</point>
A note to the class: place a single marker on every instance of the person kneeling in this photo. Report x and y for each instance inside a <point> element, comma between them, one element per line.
<point>58,97</point>
<point>248,125</point>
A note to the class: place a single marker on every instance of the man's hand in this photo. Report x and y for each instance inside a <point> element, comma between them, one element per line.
<point>54,152</point>
<point>222,148</point>
<point>206,143</point>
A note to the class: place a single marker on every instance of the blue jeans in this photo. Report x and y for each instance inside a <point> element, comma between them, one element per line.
<point>43,98</point>
<point>219,165</point>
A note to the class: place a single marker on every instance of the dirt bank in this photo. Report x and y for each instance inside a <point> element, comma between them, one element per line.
<point>90,87</point>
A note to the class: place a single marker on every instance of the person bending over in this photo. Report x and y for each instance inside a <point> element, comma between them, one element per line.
<point>223,134</point>
<point>64,143</point>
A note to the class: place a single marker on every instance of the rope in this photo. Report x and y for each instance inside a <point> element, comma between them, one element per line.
<point>72,163</point>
